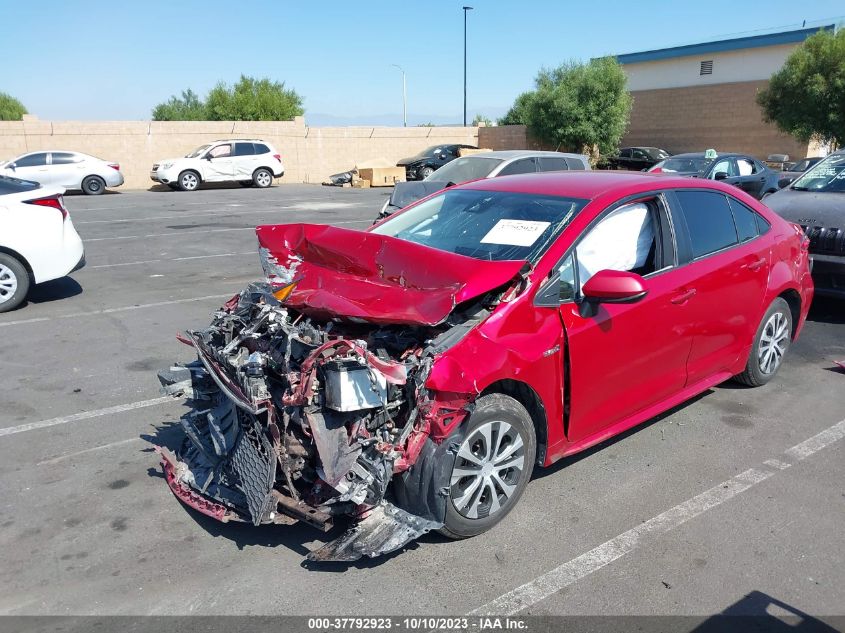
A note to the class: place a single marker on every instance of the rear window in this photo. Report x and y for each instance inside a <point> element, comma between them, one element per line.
<point>261,148</point>
<point>244,149</point>
<point>16,185</point>
<point>709,220</point>
<point>553,163</point>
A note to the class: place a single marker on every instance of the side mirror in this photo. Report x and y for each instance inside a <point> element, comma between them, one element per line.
<point>614,286</point>
<point>11,166</point>
<point>720,175</point>
<point>208,157</point>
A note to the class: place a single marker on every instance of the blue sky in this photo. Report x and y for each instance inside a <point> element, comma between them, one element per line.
<point>116,60</point>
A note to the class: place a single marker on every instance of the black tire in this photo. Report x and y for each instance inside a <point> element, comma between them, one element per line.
<point>188,180</point>
<point>14,282</point>
<point>262,177</point>
<point>425,172</point>
<point>493,409</point>
<point>757,371</point>
<point>93,185</point>
<point>246,183</point>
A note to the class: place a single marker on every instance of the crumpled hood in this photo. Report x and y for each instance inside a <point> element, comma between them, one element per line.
<point>371,277</point>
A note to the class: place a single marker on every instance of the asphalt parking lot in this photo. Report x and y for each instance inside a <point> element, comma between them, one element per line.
<point>733,501</point>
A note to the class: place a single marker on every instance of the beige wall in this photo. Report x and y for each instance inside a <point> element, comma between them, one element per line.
<point>748,64</point>
<point>310,154</point>
<point>691,119</point>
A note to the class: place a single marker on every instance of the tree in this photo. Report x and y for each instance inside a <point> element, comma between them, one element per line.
<point>253,100</point>
<point>480,118</point>
<point>517,115</point>
<point>577,107</point>
<point>10,108</point>
<point>188,107</point>
<point>806,97</point>
<point>248,100</point>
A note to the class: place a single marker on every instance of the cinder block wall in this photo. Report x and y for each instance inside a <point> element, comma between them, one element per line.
<point>725,117</point>
<point>310,154</point>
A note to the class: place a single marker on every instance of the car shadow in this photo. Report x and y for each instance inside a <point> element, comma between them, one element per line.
<point>81,194</point>
<point>206,186</point>
<point>54,290</point>
<point>757,611</point>
<point>540,473</point>
<point>827,310</point>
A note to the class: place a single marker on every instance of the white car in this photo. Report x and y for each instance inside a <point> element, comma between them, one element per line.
<point>37,239</point>
<point>247,161</point>
<point>71,170</point>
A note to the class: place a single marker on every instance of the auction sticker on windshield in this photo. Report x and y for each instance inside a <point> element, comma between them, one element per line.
<point>515,232</point>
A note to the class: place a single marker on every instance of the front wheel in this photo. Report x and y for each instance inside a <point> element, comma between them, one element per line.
<point>14,282</point>
<point>262,178</point>
<point>93,185</point>
<point>188,181</point>
<point>770,345</point>
<point>492,466</point>
<point>425,172</point>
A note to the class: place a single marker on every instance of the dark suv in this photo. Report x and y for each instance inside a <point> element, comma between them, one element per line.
<point>429,160</point>
<point>637,158</point>
<point>816,201</point>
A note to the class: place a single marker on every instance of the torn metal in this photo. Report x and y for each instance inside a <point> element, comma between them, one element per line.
<point>301,411</point>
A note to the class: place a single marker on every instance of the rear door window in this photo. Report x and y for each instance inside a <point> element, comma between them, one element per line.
<point>244,149</point>
<point>522,166</point>
<point>553,163</point>
<point>64,158</point>
<point>709,221</point>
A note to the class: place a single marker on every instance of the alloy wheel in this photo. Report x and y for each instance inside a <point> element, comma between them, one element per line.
<point>190,181</point>
<point>264,179</point>
<point>487,470</point>
<point>8,283</point>
<point>773,343</point>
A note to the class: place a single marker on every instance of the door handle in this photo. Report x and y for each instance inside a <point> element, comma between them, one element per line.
<point>684,296</point>
<point>756,265</point>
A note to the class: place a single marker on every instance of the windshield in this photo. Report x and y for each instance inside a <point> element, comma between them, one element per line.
<point>683,164</point>
<point>465,169</point>
<point>804,165</point>
<point>828,176</point>
<point>428,151</point>
<point>487,225</point>
<point>197,151</point>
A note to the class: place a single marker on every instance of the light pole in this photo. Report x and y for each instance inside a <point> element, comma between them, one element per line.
<point>465,63</point>
<point>404,97</point>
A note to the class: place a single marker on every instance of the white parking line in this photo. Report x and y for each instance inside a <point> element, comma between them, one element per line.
<point>84,415</point>
<point>140,306</point>
<point>568,573</point>
<point>61,458</point>
<point>174,259</point>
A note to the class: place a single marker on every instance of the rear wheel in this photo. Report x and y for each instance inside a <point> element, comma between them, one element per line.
<point>93,185</point>
<point>262,177</point>
<point>14,282</point>
<point>492,467</point>
<point>189,181</point>
<point>770,345</point>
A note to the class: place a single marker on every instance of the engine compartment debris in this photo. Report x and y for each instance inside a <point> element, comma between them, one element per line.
<point>302,413</point>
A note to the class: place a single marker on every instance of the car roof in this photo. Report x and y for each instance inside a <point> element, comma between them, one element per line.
<point>588,185</point>
<point>237,140</point>
<point>718,155</point>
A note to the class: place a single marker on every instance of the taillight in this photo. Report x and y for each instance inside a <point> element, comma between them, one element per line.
<point>56,202</point>
<point>114,166</point>
<point>278,157</point>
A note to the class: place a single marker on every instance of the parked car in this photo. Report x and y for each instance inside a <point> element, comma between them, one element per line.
<point>790,173</point>
<point>70,170</point>
<point>485,165</point>
<point>740,170</point>
<point>637,158</point>
<point>816,201</point>
<point>430,159</point>
<point>250,162</point>
<point>38,242</point>
<point>411,377</point>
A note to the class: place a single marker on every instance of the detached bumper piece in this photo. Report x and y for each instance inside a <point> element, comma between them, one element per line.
<point>385,529</point>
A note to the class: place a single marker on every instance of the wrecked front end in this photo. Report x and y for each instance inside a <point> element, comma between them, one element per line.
<point>297,417</point>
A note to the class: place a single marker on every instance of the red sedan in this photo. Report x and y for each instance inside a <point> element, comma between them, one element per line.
<point>412,376</point>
